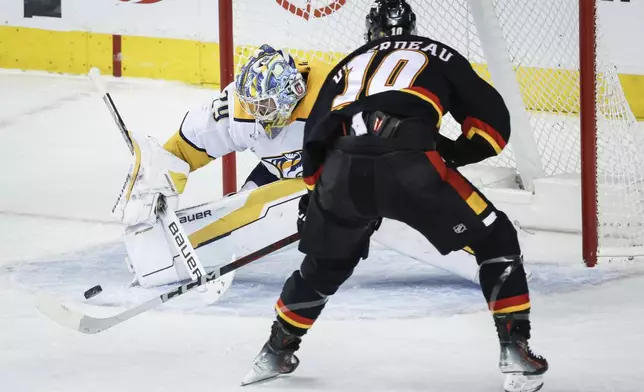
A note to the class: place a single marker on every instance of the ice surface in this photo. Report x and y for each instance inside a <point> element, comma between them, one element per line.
<point>397,325</point>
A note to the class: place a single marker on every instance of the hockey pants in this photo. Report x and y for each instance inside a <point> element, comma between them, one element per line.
<point>417,188</point>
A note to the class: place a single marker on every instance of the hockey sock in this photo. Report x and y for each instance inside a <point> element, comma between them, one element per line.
<point>306,291</point>
<point>504,284</point>
<point>501,271</point>
<point>299,305</point>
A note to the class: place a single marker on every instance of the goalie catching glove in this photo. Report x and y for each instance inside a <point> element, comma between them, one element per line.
<point>154,172</point>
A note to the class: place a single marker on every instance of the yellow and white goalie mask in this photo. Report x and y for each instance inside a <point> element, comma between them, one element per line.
<point>269,87</point>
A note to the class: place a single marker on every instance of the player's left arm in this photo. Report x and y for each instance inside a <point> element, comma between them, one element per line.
<point>482,113</point>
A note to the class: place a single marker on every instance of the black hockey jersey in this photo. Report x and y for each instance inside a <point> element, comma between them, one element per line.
<point>408,76</point>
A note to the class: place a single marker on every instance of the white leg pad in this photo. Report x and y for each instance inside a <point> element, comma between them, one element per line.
<point>150,257</point>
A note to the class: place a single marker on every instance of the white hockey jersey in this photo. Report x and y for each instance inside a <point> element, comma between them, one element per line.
<point>208,132</point>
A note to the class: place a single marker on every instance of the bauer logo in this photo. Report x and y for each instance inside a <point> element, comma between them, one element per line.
<point>194,217</point>
<point>305,10</point>
<point>182,245</point>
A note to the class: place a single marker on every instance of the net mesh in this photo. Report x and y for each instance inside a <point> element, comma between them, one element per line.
<point>542,42</point>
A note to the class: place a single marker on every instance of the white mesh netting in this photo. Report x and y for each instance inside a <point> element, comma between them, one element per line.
<point>542,42</point>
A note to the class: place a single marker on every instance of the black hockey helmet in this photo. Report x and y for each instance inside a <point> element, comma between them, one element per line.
<point>390,17</point>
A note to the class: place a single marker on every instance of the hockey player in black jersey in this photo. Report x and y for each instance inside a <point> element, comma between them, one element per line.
<point>372,150</point>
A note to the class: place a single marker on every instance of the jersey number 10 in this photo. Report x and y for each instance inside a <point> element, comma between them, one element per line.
<point>396,71</point>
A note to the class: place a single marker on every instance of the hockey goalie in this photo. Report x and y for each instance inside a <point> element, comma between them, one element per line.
<point>264,111</point>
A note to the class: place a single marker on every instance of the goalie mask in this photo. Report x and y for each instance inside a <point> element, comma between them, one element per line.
<point>390,17</point>
<point>269,87</point>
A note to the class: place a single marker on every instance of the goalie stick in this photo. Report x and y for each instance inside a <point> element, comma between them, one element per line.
<point>73,319</point>
<point>95,74</point>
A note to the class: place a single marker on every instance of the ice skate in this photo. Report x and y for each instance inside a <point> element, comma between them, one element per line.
<point>524,370</point>
<point>276,357</point>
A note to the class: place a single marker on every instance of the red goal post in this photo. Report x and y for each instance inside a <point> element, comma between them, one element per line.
<point>570,119</point>
<point>588,125</point>
<point>226,76</point>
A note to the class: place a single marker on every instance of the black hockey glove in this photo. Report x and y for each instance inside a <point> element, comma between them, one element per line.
<point>303,206</point>
<point>463,151</point>
<point>446,149</point>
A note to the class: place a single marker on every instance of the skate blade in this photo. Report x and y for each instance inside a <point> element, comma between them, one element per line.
<point>517,382</point>
<point>256,375</point>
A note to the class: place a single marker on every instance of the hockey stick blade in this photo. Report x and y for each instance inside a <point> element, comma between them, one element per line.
<point>58,312</point>
<point>73,319</point>
<point>217,288</point>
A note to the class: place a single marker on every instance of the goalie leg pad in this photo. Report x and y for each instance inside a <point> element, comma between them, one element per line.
<point>150,257</point>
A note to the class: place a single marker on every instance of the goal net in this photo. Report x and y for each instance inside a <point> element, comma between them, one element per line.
<point>529,50</point>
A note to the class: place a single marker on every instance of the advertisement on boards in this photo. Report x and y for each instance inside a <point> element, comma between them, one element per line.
<point>47,8</point>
